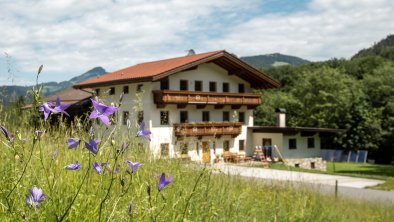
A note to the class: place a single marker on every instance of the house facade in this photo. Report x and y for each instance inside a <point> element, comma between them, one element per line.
<point>196,106</point>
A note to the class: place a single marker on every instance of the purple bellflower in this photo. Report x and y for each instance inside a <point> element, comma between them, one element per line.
<point>59,108</point>
<point>72,142</point>
<point>5,133</point>
<point>74,166</point>
<point>46,109</point>
<point>97,167</point>
<point>55,153</point>
<point>163,182</point>
<point>133,166</point>
<point>92,145</point>
<point>142,132</point>
<point>35,198</point>
<point>102,111</point>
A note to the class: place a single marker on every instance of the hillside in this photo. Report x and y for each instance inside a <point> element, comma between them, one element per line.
<point>11,93</point>
<point>273,60</point>
<point>384,48</point>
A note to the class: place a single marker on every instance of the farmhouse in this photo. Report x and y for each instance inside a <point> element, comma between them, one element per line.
<point>197,106</point>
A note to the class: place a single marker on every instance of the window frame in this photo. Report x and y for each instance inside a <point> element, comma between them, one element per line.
<point>140,116</point>
<point>212,86</point>
<point>199,84</point>
<point>241,145</point>
<point>126,89</point>
<point>164,122</point>
<point>183,112</point>
<point>97,91</point>
<point>226,145</point>
<point>140,88</point>
<point>241,88</point>
<point>112,91</point>
<point>165,84</point>
<point>183,85</point>
<point>126,115</point>
<point>227,87</point>
<point>228,116</point>
<point>291,143</point>
<point>241,117</point>
<point>309,145</point>
<point>206,116</point>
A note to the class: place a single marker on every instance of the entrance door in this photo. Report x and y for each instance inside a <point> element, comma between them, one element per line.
<point>267,147</point>
<point>206,152</point>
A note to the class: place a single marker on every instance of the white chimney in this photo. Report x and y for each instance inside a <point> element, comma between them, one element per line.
<point>280,117</point>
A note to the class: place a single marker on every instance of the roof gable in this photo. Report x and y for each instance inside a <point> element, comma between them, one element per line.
<point>156,70</point>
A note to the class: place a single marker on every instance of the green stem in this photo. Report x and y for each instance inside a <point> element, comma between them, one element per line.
<point>194,189</point>
<point>109,189</point>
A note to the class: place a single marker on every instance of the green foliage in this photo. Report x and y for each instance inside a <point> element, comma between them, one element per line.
<point>384,48</point>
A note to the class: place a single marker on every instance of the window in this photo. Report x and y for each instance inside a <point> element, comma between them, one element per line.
<point>311,142</point>
<point>184,149</point>
<point>241,88</point>
<point>140,116</point>
<point>125,117</point>
<point>163,117</point>
<point>164,149</point>
<point>241,145</point>
<point>226,116</point>
<point>112,91</point>
<point>292,144</point>
<point>97,92</point>
<point>212,86</point>
<point>241,117</point>
<point>226,145</point>
<point>164,84</point>
<point>183,117</point>
<point>140,87</point>
<point>205,116</point>
<point>197,85</point>
<point>126,89</point>
<point>226,87</point>
<point>183,85</point>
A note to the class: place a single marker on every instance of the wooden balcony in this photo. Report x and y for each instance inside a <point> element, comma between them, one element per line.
<point>201,99</point>
<point>207,129</point>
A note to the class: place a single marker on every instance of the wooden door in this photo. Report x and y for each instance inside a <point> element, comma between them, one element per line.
<point>206,152</point>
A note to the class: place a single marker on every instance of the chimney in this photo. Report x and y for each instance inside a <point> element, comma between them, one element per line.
<point>191,52</point>
<point>280,117</point>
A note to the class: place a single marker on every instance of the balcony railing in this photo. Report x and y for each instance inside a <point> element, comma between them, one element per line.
<point>207,129</point>
<point>164,97</point>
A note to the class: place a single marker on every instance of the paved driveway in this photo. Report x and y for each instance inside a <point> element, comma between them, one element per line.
<point>347,186</point>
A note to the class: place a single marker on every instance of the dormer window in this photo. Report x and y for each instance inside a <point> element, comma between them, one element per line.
<point>164,84</point>
<point>112,91</point>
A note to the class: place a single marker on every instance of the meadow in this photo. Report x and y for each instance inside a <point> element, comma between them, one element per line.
<point>103,186</point>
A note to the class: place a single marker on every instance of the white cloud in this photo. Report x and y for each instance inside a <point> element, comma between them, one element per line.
<point>327,29</point>
<point>72,36</point>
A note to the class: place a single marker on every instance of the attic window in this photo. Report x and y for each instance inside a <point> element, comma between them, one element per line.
<point>226,87</point>
<point>126,89</point>
<point>212,86</point>
<point>112,91</point>
<point>197,85</point>
<point>164,84</point>
<point>241,88</point>
<point>183,85</point>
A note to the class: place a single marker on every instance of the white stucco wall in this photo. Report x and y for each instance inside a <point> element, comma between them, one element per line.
<point>133,102</point>
<point>277,139</point>
<point>302,150</point>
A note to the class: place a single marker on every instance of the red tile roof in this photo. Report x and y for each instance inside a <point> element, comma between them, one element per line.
<point>153,71</point>
<point>148,69</point>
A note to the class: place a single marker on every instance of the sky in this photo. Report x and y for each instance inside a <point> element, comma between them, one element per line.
<point>70,37</point>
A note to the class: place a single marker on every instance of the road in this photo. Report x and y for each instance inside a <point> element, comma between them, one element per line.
<point>352,187</point>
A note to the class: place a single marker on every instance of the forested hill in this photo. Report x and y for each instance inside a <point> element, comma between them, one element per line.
<point>384,48</point>
<point>10,94</point>
<point>356,95</point>
<point>273,60</point>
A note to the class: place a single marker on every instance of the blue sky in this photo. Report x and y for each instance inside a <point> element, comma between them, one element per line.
<point>70,37</point>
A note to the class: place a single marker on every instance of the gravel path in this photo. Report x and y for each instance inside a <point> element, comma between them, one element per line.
<point>347,186</point>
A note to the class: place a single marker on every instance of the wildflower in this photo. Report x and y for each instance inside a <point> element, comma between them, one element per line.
<point>72,142</point>
<point>74,166</point>
<point>130,208</point>
<point>117,169</point>
<point>102,111</point>
<point>35,198</point>
<point>142,132</point>
<point>60,108</point>
<point>92,145</point>
<point>134,166</point>
<point>5,133</point>
<point>97,167</point>
<point>55,154</point>
<point>163,182</point>
<point>46,109</point>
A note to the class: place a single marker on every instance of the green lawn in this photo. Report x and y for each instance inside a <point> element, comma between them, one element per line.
<point>366,170</point>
